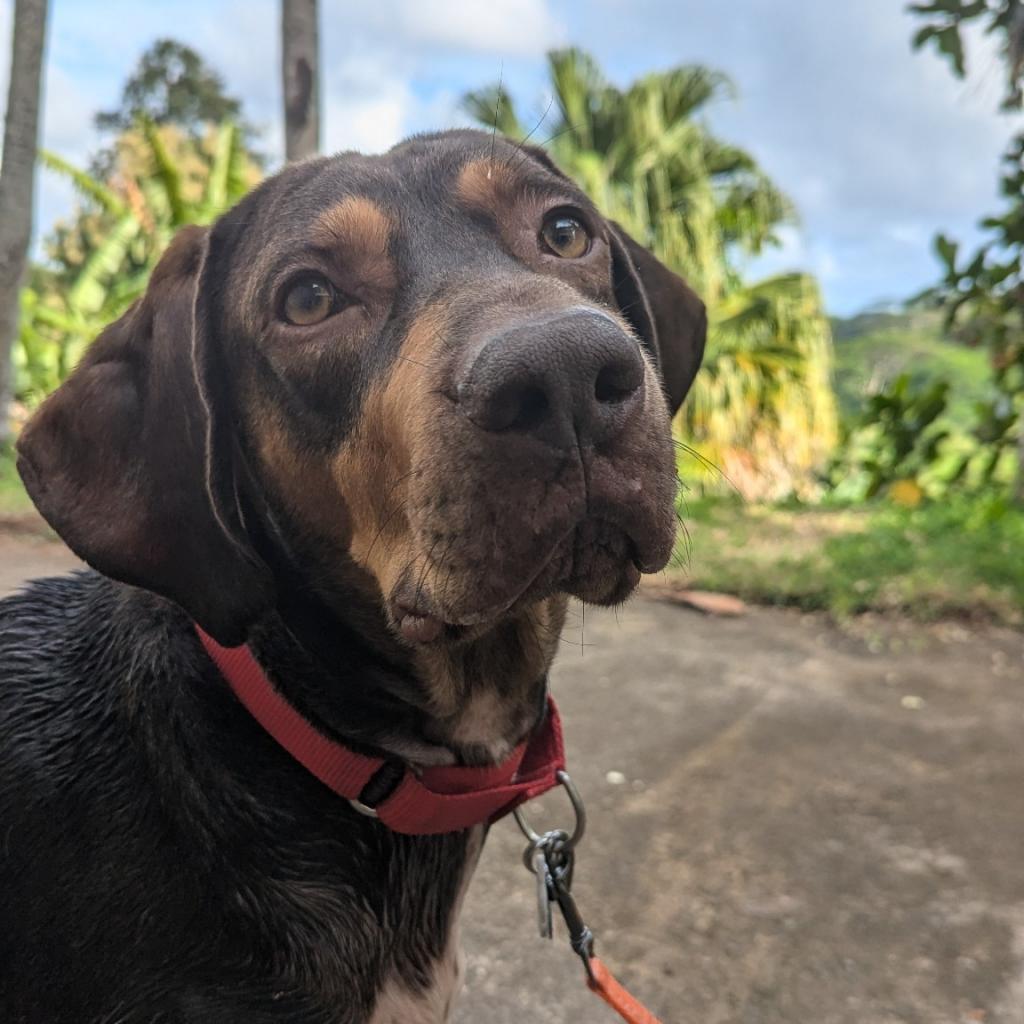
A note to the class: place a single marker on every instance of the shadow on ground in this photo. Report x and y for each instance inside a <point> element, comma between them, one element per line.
<point>788,823</point>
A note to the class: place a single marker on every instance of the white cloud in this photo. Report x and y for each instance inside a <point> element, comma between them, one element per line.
<point>516,27</point>
<point>67,116</point>
<point>368,119</point>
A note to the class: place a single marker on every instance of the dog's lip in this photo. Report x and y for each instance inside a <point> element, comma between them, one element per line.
<point>419,622</point>
<point>417,626</point>
<point>417,616</point>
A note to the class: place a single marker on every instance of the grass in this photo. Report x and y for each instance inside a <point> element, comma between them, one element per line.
<point>14,502</point>
<point>962,557</point>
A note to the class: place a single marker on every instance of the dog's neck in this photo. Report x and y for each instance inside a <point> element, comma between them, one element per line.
<point>329,647</point>
<point>331,652</point>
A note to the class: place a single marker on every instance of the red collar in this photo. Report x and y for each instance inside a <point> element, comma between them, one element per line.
<point>427,802</point>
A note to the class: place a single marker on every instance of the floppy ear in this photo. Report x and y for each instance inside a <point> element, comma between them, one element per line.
<point>126,462</point>
<point>663,309</point>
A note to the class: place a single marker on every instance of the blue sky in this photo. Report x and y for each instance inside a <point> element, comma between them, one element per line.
<point>879,148</point>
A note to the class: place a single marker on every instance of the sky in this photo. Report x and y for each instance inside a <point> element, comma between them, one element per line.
<point>878,147</point>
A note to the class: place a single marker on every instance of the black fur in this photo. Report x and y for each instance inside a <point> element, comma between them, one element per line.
<point>143,809</point>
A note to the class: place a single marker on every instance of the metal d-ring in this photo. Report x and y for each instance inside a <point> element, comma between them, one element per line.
<point>580,811</point>
<point>366,809</point>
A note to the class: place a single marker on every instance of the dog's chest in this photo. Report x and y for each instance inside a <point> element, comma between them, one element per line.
<point>397,1003</point>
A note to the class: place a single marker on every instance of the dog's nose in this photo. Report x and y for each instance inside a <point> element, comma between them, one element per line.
<point>568,379</point>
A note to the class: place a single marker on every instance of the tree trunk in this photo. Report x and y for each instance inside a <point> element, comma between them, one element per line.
<point>17,180</point>
<point>300,76</point>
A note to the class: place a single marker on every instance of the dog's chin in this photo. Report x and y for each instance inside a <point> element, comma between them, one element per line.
<point>597,562</point>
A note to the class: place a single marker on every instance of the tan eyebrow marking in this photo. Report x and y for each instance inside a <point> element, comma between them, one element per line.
<point>355,221</point>
<point>484,184</point>
<point>362,231</point>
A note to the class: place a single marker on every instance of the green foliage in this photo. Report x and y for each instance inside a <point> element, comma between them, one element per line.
<point>171,85</point>
<point>895,440</point>
<point>945,19</point>
<point>99,262</point>
<point>873,349</point>
<point>981,292</point>
<point>763,406</point>
<point>962,556</point>
<point>14,502</point>
<point>762,409</point>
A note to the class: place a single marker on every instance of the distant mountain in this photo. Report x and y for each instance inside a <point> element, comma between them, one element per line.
<point>873,348</point>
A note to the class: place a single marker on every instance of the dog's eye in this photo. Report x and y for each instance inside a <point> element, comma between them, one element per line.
<point>565,236</point>
<point>309,300</point>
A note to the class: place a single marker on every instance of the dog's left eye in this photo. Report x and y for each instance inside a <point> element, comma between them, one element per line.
<point>565,236</point>
<point>309,300</point>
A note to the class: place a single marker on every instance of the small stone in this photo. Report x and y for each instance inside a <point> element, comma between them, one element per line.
<point>615,779</point>
<point>912,703</point>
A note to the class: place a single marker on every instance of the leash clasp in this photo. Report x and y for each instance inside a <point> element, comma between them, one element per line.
<point>550,857</point>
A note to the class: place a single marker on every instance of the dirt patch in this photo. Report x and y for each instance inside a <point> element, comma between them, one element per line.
<point>26,552</point>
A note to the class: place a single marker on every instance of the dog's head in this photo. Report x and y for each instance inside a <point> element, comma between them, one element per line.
<point>439,375</point>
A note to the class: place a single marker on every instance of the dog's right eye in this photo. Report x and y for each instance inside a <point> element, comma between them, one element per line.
<point>309,300</point>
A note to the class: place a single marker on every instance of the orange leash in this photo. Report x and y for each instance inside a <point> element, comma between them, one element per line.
<point>549,858</point>
<point>628,1008</point>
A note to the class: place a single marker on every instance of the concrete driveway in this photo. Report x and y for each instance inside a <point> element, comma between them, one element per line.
<point>805,826</point>
<point>788,823</point>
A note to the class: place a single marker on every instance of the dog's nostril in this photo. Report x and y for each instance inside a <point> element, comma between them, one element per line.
<point>519,407</point>
<point>513,407</point>
<point>533,407</point>
<point>616,383</point>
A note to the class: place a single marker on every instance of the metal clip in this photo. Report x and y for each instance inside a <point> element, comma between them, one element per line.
<point>578,809</point>
<point>550,857</point>
<point>544,894</point>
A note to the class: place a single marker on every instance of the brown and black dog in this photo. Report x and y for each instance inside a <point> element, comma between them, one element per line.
<point>379,422</point>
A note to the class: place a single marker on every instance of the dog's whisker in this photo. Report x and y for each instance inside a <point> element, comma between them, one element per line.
<point>551,138</point>
<point>705,462</point>
<point>497,111</point>
<point>526,138</point>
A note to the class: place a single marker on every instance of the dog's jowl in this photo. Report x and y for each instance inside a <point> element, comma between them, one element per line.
<point>379,423</point>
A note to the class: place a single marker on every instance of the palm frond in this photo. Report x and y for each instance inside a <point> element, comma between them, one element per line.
<point>85,183</point>
<point>167,172</point>
<point>86,296</point>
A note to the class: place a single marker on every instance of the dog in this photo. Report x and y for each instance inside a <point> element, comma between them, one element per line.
<point>378,424</point>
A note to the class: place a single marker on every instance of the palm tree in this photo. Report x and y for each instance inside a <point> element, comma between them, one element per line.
<point>17,178</point>
<point>762,408</point>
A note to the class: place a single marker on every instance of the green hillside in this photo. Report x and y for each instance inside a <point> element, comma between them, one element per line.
<point>873,348</point>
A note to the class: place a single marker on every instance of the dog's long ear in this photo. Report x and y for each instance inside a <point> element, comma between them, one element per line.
<point>663,309</point>
<point>128,463</point>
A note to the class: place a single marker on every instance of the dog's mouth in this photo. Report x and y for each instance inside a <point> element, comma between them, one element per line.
<point>595,561</point>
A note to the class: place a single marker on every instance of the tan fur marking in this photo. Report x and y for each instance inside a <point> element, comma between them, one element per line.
<point>362,230</point>
<point>302,483</point>
<point>381,541</point>
<point>486,185</point>
<point>355,221</point>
